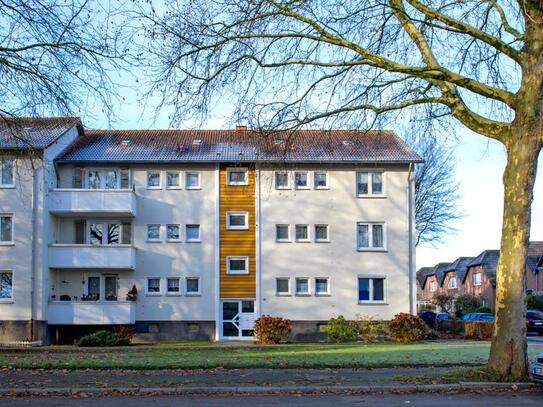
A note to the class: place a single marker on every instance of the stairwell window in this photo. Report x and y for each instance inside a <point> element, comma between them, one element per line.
<point>371,236</point>
<point>6,229</point>
<point>6,172</point>
<point>6,286</point>
<point>237,176</point>
<point>370,184</point>
<point>477,279</point>
<point>237,265</point>
<point>153,180</point>
<point>371,289</point>
<point>237,220</point>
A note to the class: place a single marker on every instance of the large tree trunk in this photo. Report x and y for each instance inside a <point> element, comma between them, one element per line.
<point>508,357</point>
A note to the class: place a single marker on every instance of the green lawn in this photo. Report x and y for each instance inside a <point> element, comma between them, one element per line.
<point>282,356</point>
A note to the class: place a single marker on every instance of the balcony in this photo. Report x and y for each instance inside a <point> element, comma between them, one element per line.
<point>91,312</point>
<point>86,256</point>
<point>109,202</point>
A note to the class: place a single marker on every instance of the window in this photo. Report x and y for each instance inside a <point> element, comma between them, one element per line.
<point>6,229</point>
<point>302,233</point>
<point>153,286</point>
<point>321,286</point>
<point>282,286</point>
<point>282,233</point>
<point>192,233</point>
<point>173,180</point>
<point>153,179</point>
<point>369,183</point>
<point>103,233</point>
<point>6,285</point>
<point>237,176</point>
<point>321,233</point>
<point>172,233</point>
<point>300,180</point>
<point>192,180</point>
<point>193,286</point>
<point>6,172</point>
<point>281,180</point>
<point>371,236</point>
<point>101,178</point>
<point>433,286</point>
<point>371,289</point>
<point>302,286</point>
<point>172,286</point>
<point>237,220</point>
<point>237,265</point>
<point>452,283</point>
<point>321,180</point>
<point>477,279</point>
<point>153,233</point>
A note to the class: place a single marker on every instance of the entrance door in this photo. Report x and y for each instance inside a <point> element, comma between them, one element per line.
<point>238,318</point>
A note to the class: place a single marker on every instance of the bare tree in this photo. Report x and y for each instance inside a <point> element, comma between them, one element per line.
<point>56,57</point>
<point>288,63</point>
<point>437,202</point>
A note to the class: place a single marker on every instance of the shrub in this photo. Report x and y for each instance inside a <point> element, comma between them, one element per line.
<point>408,328</point>
<point>444,301</point>
<point>467,303</point>
<point>340,330</point>
<point>478,329</point>
<point>271,330</point>
<point>486,310</point>
<point>450,326</point>
<point>372,330</point>
<point>124,331</point>
<point>534,302</point>
<point>103,338</point>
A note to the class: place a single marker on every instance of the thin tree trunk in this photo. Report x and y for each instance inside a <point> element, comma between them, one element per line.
<point>508,357</point>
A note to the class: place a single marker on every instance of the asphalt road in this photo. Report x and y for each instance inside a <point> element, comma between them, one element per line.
<point>411,400</point>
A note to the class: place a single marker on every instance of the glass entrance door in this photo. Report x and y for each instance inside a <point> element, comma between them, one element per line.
<point>238,318</point>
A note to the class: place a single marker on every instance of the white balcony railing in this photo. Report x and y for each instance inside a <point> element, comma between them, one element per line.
<point>74,256</point>
<point>91,312</point>
<point>92,201</point>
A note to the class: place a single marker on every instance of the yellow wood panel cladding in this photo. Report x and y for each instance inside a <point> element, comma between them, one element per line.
<point>237,198</point>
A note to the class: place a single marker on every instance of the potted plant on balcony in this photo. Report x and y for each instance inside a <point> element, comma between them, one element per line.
<point>132,295</point>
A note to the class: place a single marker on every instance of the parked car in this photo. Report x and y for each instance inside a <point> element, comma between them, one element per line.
<point>534,321</point>
<point>441,316</point>
<point>536,369</point>
<point>478,316</point>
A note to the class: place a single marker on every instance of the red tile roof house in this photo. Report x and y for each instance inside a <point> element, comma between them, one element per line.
<point>476,276</point>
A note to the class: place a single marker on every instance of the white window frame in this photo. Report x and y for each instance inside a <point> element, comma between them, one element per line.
<point>105,223</point>
<point>10,242</point>
<point>433,287</point>
<point>193,187</point>
<point>245,214</point>
<point>480,278</point>
<point>308,183</point>
<point>308,239</point>
<point>245,170</point>
<point>173,293</point>
<point>371,277</point>
<point>8,158</point>
<point>452,286</point>
<point>152,240</point>
<point>147,173</point>
<point>179,174</point>
<point>153,293</point>
<point>327,186</point>
<point>302,293</point>
<point>288,239</point>
<point>178,233</point>
<point>192,240</point>
<point>235,272</point>
<point>288,293</point>
<point>370,248</point>
<point>9,299</point>
<point>192,293</point>
<point>328,290</point>
<point>102,171</point>
<point>370,173</point>
<point>275,179</point>
<point>327,239</point>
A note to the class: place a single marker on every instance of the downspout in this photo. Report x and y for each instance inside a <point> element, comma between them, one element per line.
<point>33,254</point>
<point>411,240</point>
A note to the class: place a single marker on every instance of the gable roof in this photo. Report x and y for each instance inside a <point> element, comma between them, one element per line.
<point>24,133</point>
<point>488,260</point>
<point>460,267</point>
<point>341,146</point>
<point>440,271</point>
<point>422,274</point>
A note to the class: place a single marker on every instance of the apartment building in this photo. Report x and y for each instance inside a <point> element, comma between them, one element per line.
<point>211,228</point>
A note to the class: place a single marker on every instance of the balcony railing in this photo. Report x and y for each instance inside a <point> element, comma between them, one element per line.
<point>114,202</point>
<point>91,312</point>
<point>86,256</point>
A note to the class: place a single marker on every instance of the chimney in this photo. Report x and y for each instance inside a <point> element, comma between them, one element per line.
<point>241,127</point>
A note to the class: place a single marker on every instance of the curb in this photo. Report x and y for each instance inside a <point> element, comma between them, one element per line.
<point>466,387</point>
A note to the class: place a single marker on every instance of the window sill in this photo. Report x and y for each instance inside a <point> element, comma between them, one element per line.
<point>237,273</point>
<point>322,241</point>
<point>6,301</point>
<point>302,188</point>
<point>371,196</point>
<point>369,249</point>
<point>283,241</point>
<point>173,188</point>
<point>303,294</point>
<point>283,294</point>
<point>154,188</point>
<point>7,186</point>
<point>372,303</point>
<point>323,295</point>
<point>192,294</point>
<point>237,228</point>
<point>193,188</point>
<point>153,294</point>
<point>154,241</point>
<point>237,184</point>
<point>7,243</point>
<point>194,241</point>
<point>303,241</point>
<point>173,294</point>
<point>323,188</point>
<point>283,188</point>
<point>173,241</point>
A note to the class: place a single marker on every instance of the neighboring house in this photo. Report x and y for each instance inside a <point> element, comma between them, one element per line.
<point>213,228</point>
<point>477,276</point>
